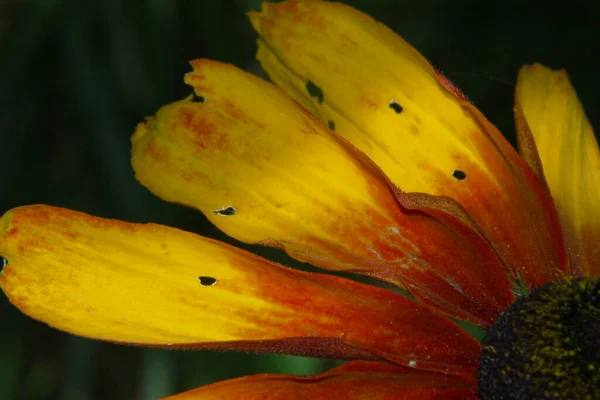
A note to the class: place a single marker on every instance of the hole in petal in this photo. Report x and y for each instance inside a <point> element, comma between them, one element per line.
<point>331,125</point>
<point>458,174</point>
<point>394,105</point>
<point>198,99</point>
<point>314,91</point>
<point>226,211</point>
<point>207,280</point>
<point>3,262</point>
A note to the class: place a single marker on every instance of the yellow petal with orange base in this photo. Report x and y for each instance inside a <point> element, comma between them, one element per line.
<point>386,99</point>
<point>354,380</point>
<point>154,285</point>
<point>558,141</point>
<point>263,170</point>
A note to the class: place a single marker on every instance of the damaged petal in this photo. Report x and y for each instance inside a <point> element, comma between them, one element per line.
<point>207,280</point>
<point>394,105</point>
<point>305,190</point>
<point>138,284</point>
<point>459,175</point>
<point>197,98</point>
<point>226,211</point>
<point>314,91</point>
<point>364,64</point>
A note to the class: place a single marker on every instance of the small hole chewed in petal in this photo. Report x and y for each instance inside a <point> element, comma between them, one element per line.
<point>305,191</point>
<point>458,174</point>
<point>314,91</point>
<point>197,98</point>
<point>207,280</point>
<point>63,257</point>
<point>364,65</point>
<point>3,262</point>
<point>394,105</point>
<point>226,211</point>
<point>331,125</point>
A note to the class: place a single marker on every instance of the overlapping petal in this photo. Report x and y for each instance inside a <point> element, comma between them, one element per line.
<point>557,140</point>
<point>154,285</point>
<point>385,98</point>
<point>265,171</point>
<point>355,380</point>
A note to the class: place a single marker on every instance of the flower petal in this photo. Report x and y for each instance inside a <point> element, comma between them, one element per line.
<point>154,285</point>
<point>384,97</point>
<point>354,380</point>
<point>558,141</point>
<point>265,171</point>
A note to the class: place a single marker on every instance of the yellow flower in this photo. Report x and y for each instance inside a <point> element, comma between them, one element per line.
<point>395,176</point>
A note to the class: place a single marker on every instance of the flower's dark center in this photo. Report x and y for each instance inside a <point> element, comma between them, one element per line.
<point>546,345</point>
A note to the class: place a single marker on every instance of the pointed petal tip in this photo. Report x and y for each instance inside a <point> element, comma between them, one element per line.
<point>538,71</point>
<point>255,20</point>
<point>5,220</point>
<point>536,66</point>
<point>360,69</point>
<point>557,140</point>
<point>134,284</point>
<point>141,129</point>
<point>314,192</point>
<point>198,63</point>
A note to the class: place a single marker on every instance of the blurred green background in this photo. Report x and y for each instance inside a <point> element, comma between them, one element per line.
<point>77,76</point>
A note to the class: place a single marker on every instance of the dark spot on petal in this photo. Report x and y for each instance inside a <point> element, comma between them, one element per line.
<point>226,211</point>
<point>394,105</point>
<point>3,262</point>
<point>207,280</point>
<point>331,125</point>
<point>458,174</point>
<point>197,99</point>
<point>314,91</point>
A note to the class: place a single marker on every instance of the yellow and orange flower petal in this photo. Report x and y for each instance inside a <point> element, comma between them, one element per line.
<point>154,285</point>
<point>354,380</point>
<point>263,170</point>
<point>386,99</point>
<point>557,140</point>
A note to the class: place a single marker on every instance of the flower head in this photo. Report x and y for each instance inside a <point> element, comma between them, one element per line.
<point>386,171</point>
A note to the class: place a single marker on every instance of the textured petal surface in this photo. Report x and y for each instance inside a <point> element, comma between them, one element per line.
<point>154,285</point>
<point>385,98</point>
<point>557,139</point>
<point>353,381</point>
<point>265,171</point>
